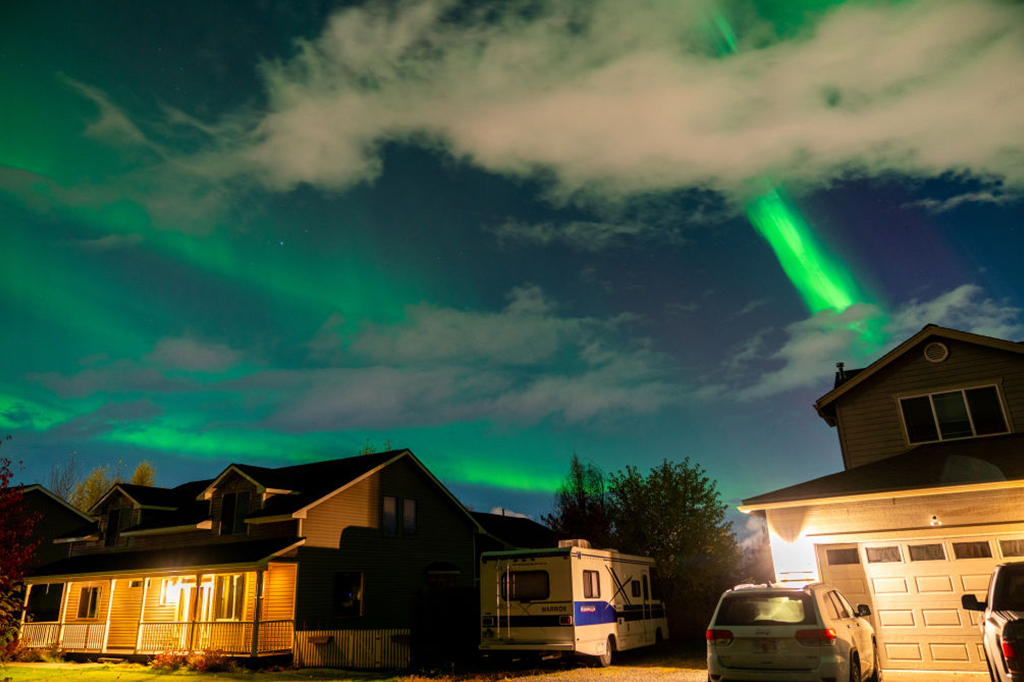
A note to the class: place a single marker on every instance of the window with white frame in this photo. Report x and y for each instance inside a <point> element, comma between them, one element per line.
<point>963,413</point>
<point>228,597</point>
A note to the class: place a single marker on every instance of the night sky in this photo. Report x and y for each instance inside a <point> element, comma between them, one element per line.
<point>495,233</point>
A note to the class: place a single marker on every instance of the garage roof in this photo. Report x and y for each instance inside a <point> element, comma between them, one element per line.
<point>924,469</point>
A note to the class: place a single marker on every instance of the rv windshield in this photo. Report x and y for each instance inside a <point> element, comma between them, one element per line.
<point>525,586</point>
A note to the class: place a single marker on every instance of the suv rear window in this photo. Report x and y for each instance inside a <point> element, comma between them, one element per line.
<point>766,609</point>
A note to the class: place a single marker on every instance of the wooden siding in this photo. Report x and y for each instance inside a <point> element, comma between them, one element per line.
<point>363,649</point>
<point>344,535</point>
<point>959,514</point>
<point>75,594</point>
<point>125,610</point>
<point>55,520</point>
<point>279,592</point>
<point>869,420</point>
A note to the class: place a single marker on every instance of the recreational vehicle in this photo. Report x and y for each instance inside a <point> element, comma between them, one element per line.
<point>569,600</point>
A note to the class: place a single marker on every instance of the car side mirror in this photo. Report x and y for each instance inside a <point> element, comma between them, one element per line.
<point>971,603</point>
<point>863,610</point>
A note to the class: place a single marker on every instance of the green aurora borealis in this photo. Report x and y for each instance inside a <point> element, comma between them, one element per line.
<point>486,289</point>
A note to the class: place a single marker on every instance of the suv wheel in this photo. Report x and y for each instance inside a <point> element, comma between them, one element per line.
<point>854,668</point>
<point>876,671</point>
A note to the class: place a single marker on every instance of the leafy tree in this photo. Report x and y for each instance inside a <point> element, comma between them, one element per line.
<point>675,515</point>
<point>90,489</point>
<point>581,505</point>
<point>16,553</point>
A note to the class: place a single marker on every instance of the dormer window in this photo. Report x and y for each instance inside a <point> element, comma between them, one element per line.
<point>233,511</point>
<point>113,527</point>
<point>964,413</point>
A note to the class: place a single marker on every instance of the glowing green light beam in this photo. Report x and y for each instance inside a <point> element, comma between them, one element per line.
<point>821,281</point>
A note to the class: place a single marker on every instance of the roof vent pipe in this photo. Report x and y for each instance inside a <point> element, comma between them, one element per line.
<point>840,366</point>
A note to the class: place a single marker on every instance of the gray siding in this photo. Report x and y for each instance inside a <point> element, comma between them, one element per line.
<point>868,417</point>
<point>344,535</point>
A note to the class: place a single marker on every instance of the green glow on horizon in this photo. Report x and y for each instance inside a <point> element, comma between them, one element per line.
<point>820,280</point>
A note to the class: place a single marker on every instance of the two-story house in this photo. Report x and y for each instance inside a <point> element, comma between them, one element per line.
<point>248,560</point>
<point>930,500</point>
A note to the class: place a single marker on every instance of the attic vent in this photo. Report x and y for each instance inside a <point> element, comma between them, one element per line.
<point>936,352</point>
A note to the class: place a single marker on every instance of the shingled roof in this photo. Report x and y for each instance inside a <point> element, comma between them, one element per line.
<point>189,557</point>
<point>931,468</point>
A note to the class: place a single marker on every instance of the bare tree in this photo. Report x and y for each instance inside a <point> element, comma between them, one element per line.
<point>64,478</point>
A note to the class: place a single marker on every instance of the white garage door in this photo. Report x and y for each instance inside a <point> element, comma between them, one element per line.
<point>913,588</point>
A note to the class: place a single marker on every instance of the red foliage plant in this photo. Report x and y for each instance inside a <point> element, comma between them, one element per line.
<point>16,551</point>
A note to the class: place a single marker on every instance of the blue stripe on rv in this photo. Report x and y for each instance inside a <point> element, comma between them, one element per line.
<point>593,612</point>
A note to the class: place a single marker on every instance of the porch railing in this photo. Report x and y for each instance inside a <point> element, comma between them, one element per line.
<point>40,635</point>
<point>82,636</point>
<point>231,637</point>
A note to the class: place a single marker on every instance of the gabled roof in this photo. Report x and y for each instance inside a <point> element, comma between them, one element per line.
<point>516,531</point>
<point>36,487</point>
<point>142,496</point>
<point>825,404</point>
<point>953,466</point>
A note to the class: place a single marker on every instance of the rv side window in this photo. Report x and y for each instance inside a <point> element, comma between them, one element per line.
<point>591,585</point>
<point>634,586</point>
<point>525,586</point>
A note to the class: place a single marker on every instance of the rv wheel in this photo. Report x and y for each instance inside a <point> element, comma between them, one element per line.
<point>605,659</point>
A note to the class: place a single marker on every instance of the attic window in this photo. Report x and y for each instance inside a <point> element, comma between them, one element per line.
<point>963,413</point>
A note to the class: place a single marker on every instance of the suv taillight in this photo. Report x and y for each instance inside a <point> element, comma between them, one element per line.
<point>1011,654</point>
<point>719,636</point>
<point>822,637</point>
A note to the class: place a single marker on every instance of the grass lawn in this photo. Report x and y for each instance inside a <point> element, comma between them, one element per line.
<point>130,672</point>
<point>686,656</point>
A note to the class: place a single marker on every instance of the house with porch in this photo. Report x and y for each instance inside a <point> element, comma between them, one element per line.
<point>930,498</point>
<point>259,561</point>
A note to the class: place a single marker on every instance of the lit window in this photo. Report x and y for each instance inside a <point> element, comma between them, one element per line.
<point>953,414</point>
<point>88,602</point>
<point>842,557</point>
<point>591,585</point>
<point>228,597</point>
<point>409,517</point>
<point>169,591</point>
<point>883,555</point>
<point>927,553</point>
<point>389,516</point>
<point>972,550</point>
<point>348,594</point>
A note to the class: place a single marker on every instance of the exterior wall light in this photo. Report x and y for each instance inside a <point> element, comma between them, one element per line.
<point>936,521</point>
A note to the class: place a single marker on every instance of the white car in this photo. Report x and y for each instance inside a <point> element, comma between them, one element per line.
<point>770,632</point>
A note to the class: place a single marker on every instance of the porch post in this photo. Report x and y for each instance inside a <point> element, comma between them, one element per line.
<point>142,616</point>
<point>65,600</point>
<point>256,615</point>
<point>24,608</point>
<point>110,607</point>
<point>195,611</point>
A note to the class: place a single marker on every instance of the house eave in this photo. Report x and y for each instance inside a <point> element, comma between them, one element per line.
<point>83,538</point>
<point>748,508</point>
<point>202,525</point>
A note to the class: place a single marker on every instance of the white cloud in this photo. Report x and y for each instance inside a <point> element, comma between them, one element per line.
<point>525,332</point>
<point>984,197</point>
<point>193,355</point>
<point>810,348</point>
<point>621,98</point>
<point>583,235</point>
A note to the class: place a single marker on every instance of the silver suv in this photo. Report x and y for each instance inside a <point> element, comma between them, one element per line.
<point>771,632</point>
